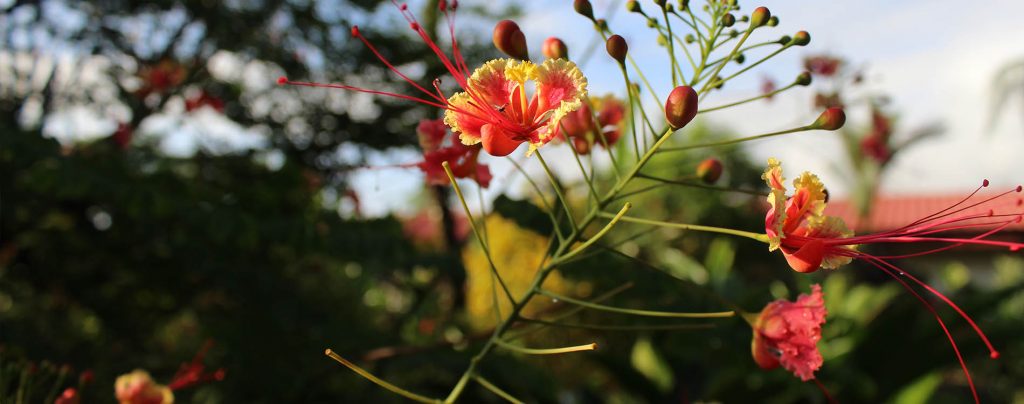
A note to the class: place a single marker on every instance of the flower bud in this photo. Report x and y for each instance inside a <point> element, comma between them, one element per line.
<point>801,38</point>
<point>728,20</point>
<point>784,40</point>
<point>709,170</point>
<point>659,3</point>
<point>584,8</point>
<point>617,48</point>
<point>633,6</point>
<point>689,39</point>
<point>510,40</point>
<point>602,24</point>
<point>681,106</point>
<point>554,48</point>
<point>739,58</point>
<point>832,119</point>
<point>684,4</point>
<point>759,17</point>
<point>774,21</point>
<point>804,79</point>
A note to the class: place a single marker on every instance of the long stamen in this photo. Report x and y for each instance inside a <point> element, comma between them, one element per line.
<point>284,80</point>
<point>992,352</point>
<point>949,336</point>
<point>355,33</point>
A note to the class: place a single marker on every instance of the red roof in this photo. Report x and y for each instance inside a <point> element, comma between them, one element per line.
<point>892,212</point>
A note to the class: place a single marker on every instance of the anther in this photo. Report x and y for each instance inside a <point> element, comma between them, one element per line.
<point>984,183</point>
<point>1019,188</point>
<point>282,80</point>
<point>414,26</point>
<point>355,31</point>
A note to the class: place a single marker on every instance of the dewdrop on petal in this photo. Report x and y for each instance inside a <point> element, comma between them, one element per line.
<point>681,106</point>
<point>510,40</point>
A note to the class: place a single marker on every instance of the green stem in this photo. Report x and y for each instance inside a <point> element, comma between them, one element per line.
<point>696,227</point>
<point>765,95</point>
<point>497,391</point>
<point>699,185</point>
<point>546,351</point>
<point>634,312</point>
<point>602,327</point>
<point>740,140</point>
<point>540,195</point>
<point>592,240</point>
<point>632,109</point>
<point>476,231</point>
<point>558,191</point>
<point>381,382</point>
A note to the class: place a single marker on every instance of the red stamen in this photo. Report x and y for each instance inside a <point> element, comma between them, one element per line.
<point>364,90</point>
<point>949,336</point>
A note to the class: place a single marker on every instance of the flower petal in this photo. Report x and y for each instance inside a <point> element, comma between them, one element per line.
<point>461,116</point>
<point>776,216</point>
<point>497,142</point>
<point>831,227</point>
<point>492,83</point>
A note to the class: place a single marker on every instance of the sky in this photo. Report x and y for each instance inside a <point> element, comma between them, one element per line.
<point>936,59</point>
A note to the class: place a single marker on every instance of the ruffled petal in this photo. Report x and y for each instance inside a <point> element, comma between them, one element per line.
<point>492,83</point>
<point>776,216</point>
<point>461,116</point>
<point>559,81</point>
<point>807,202</point>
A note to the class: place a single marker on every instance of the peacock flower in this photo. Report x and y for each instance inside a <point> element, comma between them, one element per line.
<point>495,107</point>
<point>810,240</point>
<point>138,387</point>
<point>580,127</point>
<point>787,333</point>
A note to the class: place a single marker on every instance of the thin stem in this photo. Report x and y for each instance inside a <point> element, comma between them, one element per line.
<point>575,309</point>
<point>710,83</point>
<point>547,206</point>
<point>765,95</point>
<point>708,229</point>
<point>558,191</point>
<point>546,351</point>
<point>603,327</point>
<point>579,163</point>
<point>592,240</point>
<point>671,50</point>
<point>497,391</point>
<point>632,109</point>
<point>476,231</point>
<point>739,140</point>
<point>699,185</point>
<point>634,312</point>
<point>381,382</point>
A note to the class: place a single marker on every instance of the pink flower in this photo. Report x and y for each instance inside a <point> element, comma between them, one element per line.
<point>810,240</point>
<point>578,126</point>
<point>787,333</point>
<point>138,388</point>
<point>494,107</point>
<point>461,159</point>
<point>876,144</point>
<point>823,65</point>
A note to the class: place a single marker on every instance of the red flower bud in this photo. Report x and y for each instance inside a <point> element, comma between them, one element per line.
<point>709,170</point>
<point>554,48</point>
<point>759,17</point>
<point>509,39</point>
<point>617,48</point>
<point>681,106</point>
<point>832,119</point>
<point>584,8</point>
<point>801,38</point>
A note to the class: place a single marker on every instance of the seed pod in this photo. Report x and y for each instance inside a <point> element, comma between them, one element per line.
<point>681,106</point>
<point>709,170</point>
<point>554,48</point>
<point>617,48</point>
<point>832,119</point>
<point>510,40</point>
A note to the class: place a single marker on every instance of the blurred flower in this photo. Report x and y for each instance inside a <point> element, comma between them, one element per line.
<point>876,144</point>
<point>823,65</point>
<point>787,333</point>
<point>425,228</point>
<point>138,388</point>
<point>578,126</point>
<point>810,240</point>
<point>161,77</point>
<point>767,87</point>
<point>194,372</point>
<point>203,99</point>
<point>493,107</point>
<point>462,159</point>
<point>122,137</point>
<point>69,396</point>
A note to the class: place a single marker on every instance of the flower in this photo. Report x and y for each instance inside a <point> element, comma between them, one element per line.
<point>579,126</point>
<point>68,396</point>
<point>194,372</point>
<point>161,77</point>
<point>203,99</point>
<point>810,240</point>
<point>787,333</point>
<point>138,388</point>
<point>461,159</point>
<point>494,107</point>
<point>823,65</point>
<point>876,144</point>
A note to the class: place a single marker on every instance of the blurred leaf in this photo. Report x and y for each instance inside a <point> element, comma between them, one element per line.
<point>920,391</point>
<point>646,360</point>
